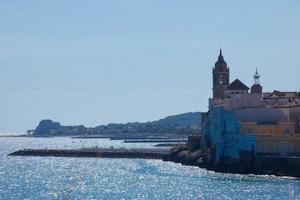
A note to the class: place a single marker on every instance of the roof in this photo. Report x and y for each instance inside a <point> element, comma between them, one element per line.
<point>279,94</point>
<point>237,85</point>
<point>220,58</point>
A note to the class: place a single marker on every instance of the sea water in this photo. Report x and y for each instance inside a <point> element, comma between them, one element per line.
<point>102,178</point>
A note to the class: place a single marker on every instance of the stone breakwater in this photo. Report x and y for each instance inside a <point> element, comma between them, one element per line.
<point>247,164</point>
<point>96,153</point>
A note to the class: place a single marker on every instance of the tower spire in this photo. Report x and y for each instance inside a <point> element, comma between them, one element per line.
<point>220,57</point>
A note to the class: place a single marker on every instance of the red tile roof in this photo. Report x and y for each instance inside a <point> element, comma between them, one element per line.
<point>237,85</point>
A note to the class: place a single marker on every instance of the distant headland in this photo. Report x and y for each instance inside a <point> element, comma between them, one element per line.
<point>175,126</point>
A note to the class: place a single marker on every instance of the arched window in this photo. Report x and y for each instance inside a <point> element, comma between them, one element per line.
<point>221,79</point>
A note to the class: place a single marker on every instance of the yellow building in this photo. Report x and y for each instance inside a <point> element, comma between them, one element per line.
<point>281,128</point>
<point>273,138</point>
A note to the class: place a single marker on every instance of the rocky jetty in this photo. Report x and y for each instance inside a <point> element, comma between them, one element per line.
<point>96,153</point>
<point>182,155</point>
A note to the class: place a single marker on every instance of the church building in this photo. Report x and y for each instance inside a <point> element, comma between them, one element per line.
<point>222,88</point>
<point>240,120</point>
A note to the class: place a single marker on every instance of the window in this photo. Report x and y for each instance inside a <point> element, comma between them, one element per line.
<point>221,79</point>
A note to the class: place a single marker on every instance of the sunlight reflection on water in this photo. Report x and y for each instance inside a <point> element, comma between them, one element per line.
<point>94,178</point>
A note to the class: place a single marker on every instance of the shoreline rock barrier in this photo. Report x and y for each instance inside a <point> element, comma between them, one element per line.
<point>96,152</point>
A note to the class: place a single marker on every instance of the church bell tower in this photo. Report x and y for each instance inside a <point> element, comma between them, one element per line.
<point>220,77</point>
<point>256,87</point>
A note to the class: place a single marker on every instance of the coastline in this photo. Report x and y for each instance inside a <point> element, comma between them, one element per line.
<point>247,164</point>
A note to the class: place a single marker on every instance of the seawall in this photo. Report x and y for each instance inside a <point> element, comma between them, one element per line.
<point>247,164</point>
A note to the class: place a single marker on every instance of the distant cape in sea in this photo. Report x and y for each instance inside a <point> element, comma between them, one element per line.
<point>175,125</point>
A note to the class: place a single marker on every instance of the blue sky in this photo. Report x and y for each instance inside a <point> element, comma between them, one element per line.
<point>95,62</point>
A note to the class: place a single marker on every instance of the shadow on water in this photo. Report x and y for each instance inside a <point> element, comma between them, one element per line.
<point>147,168</point>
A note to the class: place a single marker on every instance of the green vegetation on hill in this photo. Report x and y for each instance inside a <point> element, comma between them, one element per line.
<point>182,120</point>
<point>175,125</point>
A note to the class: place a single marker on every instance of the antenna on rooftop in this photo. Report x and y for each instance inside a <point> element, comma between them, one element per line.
<point>220,40</point>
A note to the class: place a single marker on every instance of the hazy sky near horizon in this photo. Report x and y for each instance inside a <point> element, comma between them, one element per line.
<point>95,62</point>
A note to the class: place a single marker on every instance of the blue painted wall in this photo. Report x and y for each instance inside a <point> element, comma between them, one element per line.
<point>222,132</point>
